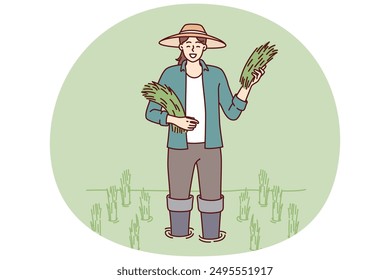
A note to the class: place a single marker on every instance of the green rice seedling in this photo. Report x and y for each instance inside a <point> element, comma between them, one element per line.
<point>244,206</point>
<point>144,207</point>
<point>112,204</point>
<point>263,188</point>
<point>293,222</point>
<point>165,97</point>
<point>260,57</point>
<point>277,204</point>
<point>125,189</point>
<point>96,218</point>
<point>134,233</point>
<point>254,230</point>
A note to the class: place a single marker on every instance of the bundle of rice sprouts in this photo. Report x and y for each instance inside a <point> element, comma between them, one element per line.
<point>166,97</point>
<point>260,57</point>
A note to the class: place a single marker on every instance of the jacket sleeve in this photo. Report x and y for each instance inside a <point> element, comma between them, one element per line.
<point>155,112</point>
<point>231,105</point>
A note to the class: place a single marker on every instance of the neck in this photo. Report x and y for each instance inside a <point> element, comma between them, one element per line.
<point>193,69</point>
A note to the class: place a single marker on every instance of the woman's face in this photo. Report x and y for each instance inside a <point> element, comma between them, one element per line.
<point>192,49</point>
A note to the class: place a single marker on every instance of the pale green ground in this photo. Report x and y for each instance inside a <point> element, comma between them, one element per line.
<point>153,239</point>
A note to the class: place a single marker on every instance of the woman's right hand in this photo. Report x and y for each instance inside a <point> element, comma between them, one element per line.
<point>187,123</point>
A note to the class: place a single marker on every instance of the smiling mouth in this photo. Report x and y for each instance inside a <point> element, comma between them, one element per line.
<point>192,55</point>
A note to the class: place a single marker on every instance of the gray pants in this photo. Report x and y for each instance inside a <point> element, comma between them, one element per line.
<point>181,164</point>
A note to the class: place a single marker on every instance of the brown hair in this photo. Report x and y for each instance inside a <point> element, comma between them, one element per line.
<point>182,57</point>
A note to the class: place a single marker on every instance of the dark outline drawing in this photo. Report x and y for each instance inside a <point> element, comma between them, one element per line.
<point>167,106</point>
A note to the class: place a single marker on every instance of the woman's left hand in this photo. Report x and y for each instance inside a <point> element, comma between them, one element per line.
<point>244,92</point>
<point>257,74</point>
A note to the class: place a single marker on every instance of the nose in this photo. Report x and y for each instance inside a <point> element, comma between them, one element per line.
<point>193,47</point>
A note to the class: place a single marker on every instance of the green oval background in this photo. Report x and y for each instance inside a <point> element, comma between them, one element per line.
<point>290,129</point>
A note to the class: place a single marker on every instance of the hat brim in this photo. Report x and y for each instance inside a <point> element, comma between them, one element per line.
<point>173,41</point>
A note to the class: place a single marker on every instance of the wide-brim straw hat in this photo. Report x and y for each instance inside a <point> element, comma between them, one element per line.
<point>192,30</point>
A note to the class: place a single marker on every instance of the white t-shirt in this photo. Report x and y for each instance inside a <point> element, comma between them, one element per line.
<point>195,107</point>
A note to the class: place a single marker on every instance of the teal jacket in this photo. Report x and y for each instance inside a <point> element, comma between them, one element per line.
<point>216,92</point>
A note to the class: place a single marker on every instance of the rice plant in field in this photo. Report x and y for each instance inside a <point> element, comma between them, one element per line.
<point>134,233</point>
<point>165,97</point>
<point>293,222</point>
<point>144,207</point>
<point>260,57</point>
<point>263,188</point>
<point>244,206</point>
<point>125,189</point>
<point>96,218</point>
<point>277,204</point>
<point>112,204</point>
<point>254,231</point>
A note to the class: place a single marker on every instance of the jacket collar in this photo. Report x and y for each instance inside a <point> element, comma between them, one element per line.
<point>202,63</point>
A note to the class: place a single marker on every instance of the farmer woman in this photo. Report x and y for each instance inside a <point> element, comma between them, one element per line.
<point>202,89</point>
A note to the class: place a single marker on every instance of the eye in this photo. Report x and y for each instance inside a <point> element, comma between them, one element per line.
<point>188,46</point>
<point>198,47</point>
